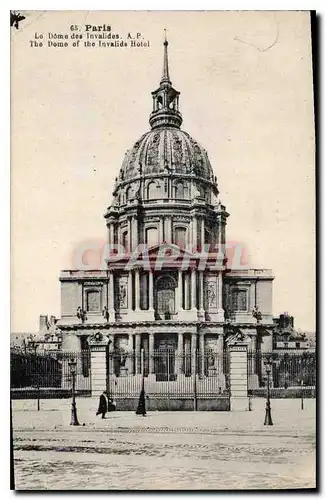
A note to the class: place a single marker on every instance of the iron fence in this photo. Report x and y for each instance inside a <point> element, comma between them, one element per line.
<point>168,374</point>
<point>289,370</point>
<point>47,373</point>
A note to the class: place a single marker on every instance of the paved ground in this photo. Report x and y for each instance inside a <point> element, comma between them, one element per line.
<point>176,450</point>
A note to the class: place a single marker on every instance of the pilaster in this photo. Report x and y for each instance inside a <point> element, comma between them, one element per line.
<point>98,345</point>
<point>111,298</point>
<point>238,345</point>
<point>193,353</point>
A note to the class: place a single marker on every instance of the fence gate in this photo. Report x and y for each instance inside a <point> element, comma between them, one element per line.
<point>172,381</point>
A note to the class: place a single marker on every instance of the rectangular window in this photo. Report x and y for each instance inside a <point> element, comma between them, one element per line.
<point>239,300</point>
<point>180,237</point>
<point>93,300</point>
<point>152,236</point>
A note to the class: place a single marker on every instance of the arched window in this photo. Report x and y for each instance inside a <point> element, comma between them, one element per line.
<point>172,104</point>
<point>125,240</point>
<point>180,236</point>
<point>159,102</point>
<point>128,193</point>
<point>181,191</point>
<point>153,191</point>
<point>151,236</point>
<point>239,300</point>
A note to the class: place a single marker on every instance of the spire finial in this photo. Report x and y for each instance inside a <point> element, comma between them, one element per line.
<point>165,74</point>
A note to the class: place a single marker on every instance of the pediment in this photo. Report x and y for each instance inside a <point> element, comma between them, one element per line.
<point>168,250</point>
<point>238,338</point>
<point>162,252</point>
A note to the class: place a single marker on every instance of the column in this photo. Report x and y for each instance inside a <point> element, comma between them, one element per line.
<point>194,233</point>
<point>202,238</point>
<point>161,235</point>
<point>186,291</point>
<point>134,238</point>
<point>111,297</point>
<point>130,291</point>
<point>219,292</point>
<point>202,353</point>
<point>137,290</point>
<point>150,291</point>
<point>130,359</point>
<point>130,234</point>
<point>252,296</point>
<point>220,351</point>
<point>179,292</point>
<point>113,233</point>
<point>193,353</point>
<point>151,352</point>
<point>253,354</point>
<point>193,290</point>
<point>180,353</point>
<point>137,352</point>
<point>111,354</point>
<point>201,291</point>
<point>220,244</point>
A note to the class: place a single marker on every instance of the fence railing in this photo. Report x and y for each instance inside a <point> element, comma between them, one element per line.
<point>47,373</point>
<point>167,373</point>
<point>288,369</point>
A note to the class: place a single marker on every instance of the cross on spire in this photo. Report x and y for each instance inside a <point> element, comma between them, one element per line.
<point>165,74</point>
<point>165,99</point>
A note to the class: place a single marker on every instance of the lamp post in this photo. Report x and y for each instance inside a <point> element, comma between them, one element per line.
<point>268,416</point>
<point>72,366</point>
<point>108,359</point>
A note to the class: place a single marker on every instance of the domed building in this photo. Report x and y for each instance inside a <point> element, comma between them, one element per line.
<point>166,291</point>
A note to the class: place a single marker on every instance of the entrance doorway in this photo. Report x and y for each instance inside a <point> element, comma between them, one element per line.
<point>165,297</point>
<point>164,357</point>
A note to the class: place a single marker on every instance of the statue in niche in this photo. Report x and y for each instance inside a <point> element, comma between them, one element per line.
<point>122,296</point>
<point>211,294</point>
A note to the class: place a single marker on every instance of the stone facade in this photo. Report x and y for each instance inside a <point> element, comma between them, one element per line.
<point>158,295</point>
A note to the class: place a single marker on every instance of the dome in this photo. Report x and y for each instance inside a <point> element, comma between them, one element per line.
<point>166,150</point>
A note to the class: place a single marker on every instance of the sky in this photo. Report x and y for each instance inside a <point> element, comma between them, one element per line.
<point>246,96</point>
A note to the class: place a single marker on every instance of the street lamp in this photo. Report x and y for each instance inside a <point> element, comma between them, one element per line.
<point>108,359</point>
<point>268,416</point>
<point>72,366</point>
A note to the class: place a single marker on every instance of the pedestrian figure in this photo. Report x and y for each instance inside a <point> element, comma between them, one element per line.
<point>103,405</point>
<point>141,409</point>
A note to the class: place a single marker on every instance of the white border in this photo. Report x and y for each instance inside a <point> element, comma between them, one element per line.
<point>5,166</point>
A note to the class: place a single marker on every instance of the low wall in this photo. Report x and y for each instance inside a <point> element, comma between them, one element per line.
<point>46,393</point>
<point>281,393</point>
<point>175,404</point>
